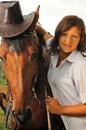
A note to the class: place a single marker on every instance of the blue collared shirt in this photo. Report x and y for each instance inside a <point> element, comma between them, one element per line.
<point>68,84</point>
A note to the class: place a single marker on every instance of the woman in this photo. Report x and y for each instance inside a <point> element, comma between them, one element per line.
<point>67,71</point>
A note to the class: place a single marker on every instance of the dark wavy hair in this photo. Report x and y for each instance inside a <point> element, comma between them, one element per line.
<point>65,24</point>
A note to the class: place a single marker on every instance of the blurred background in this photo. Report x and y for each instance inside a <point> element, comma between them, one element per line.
<point>52,11</point>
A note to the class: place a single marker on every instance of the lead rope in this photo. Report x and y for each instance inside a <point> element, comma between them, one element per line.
<point>8,109</point>
<point>48,114</point>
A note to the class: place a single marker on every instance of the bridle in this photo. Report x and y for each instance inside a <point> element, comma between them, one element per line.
<point>9,105</point>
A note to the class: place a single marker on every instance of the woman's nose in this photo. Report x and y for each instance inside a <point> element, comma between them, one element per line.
<point>68,39</point>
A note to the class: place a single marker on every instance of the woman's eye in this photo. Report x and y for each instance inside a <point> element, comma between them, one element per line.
<point>75,36</point>
<point>63,34</point>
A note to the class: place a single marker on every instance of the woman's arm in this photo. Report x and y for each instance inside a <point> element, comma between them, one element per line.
<point>42,32</point>
<point>55,107</point>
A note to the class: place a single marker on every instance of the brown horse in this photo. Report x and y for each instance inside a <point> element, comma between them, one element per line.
<point>25,67</point>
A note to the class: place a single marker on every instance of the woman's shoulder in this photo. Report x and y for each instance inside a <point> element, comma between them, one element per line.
<point>77,58</point>
<point>81,56</point>
<point>80,59</point>
<point>79,64</point>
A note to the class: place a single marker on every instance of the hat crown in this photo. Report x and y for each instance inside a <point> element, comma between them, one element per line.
<point>10,13</point>
<point>12,22</point>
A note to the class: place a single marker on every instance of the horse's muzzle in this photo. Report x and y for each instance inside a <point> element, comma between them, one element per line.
<point>23,117</point>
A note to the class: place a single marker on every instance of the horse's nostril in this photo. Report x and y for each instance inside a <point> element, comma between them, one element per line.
<point>28,113</point>
<point>23,116</point>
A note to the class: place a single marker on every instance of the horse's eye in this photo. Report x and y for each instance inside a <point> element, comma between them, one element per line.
<point>35,55</point>
<point>1,59</point>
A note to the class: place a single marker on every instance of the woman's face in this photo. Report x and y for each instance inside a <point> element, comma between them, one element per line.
<point>69,40</point>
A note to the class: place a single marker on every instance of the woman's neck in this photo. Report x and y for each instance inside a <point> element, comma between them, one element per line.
<point>62,56</point>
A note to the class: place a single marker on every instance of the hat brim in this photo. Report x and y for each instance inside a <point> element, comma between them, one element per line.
<point>8,30</point>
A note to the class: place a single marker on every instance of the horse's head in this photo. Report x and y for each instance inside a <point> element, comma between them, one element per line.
<point>20,62</point>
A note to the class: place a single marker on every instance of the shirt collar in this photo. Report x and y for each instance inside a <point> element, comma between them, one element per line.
<point>72,56</point>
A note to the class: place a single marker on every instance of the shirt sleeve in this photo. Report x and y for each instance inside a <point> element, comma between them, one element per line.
<point>82,88</point>
<point>80,80</point>
<point>48,42</point>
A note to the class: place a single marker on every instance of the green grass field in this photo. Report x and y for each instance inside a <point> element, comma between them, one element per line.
<point>2,89</point>
<point>2,119</point>
<point>2,114</point>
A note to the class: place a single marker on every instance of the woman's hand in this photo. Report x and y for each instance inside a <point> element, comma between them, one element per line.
<point>53,105</point>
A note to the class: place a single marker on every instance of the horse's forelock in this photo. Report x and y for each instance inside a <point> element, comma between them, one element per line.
<point>14,44</point>
<point>18,44</point>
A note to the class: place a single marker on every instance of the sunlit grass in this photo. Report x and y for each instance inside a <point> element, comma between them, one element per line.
<point>2,119</point>
<point>2,114</point>
<point>2,82</point>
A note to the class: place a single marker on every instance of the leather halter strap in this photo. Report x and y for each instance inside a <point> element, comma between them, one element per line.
<point>9,105</point>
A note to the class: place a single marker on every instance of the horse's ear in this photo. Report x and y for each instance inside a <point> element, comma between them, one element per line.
<point>37,13</point>
<point>32,27</point>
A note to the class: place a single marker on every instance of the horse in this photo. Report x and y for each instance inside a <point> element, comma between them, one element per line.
<point>25,64</point>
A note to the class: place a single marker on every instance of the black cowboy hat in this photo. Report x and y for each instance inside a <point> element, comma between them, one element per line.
<point>12,22</point>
